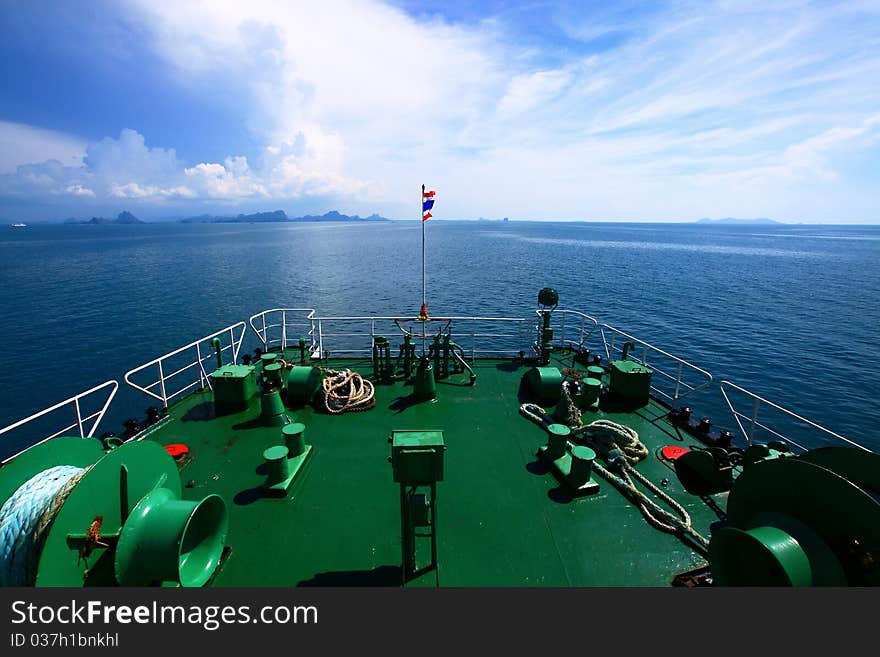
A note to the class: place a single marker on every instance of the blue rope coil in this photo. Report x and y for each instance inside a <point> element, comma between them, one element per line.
<point>20,517</point>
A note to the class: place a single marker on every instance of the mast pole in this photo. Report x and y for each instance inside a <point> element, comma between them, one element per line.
<point>422,217</point>
<point>424,287</point>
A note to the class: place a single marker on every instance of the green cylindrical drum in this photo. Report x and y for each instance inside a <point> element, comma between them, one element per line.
<point>294,438</point>
<point>595,372</point>
<point>761,556</point>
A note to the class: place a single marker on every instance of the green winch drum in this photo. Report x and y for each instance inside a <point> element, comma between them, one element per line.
<point>544,384</point>
<point>777,535</point>
<point>303,383</point>
<point>133,494</point>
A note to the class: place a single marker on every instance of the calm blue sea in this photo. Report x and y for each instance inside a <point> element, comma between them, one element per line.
<point>792,312</point>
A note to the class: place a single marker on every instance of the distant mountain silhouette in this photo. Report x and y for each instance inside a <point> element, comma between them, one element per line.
<point>278,216</point>
<point>124,217</point>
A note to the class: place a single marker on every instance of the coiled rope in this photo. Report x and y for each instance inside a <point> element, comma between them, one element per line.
<point>26,517</point>
<point>346,391</point>
<point>621,449</point>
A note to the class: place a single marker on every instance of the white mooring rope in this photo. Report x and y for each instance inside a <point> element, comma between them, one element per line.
<point>346,391</point>
<point>621,448</point>
<point>26,516</point>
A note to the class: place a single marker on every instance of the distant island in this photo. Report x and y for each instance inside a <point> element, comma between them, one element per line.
<point>124,217</point>
<point>759,221</point>
<point>279,216</point>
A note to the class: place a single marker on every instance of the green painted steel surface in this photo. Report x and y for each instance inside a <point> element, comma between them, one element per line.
<point>544,384</point>
<point>630,382</point>
<point>166,539</point>
<point>234,386</point>
<point>302,384</point>
<point>505,519</point>
<point>417,456</point>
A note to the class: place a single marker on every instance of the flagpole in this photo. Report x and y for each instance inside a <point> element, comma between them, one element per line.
<point>422,218</point>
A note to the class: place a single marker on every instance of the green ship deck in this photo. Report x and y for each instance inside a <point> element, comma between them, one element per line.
<point>502,518</point>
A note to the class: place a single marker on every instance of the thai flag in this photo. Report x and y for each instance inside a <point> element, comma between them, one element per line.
<point>427,204</point>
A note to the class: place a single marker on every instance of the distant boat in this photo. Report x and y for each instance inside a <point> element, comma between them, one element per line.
<point>19,225</point>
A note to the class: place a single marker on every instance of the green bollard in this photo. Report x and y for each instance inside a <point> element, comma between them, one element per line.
<point>557,435</point>
<point>589,397</point>
<point>267,359</point>
<point>595,372</point>
<point>294,438</point>
<point>272,374</point>
<point>278,472</point>
<point>581,465</point>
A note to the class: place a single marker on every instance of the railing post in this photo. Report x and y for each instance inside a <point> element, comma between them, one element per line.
<point>754,421</point>
<point>265,337</point>
<point>162,385</point>
<point>562,333</point>
<point>199,360</point>
<point>321,337</point>
<point>283,329</point>
<point>677,381</point>
<point>79,423</point>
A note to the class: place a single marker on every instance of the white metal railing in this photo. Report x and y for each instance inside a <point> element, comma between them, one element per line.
<point>478,336</point>
<point>288,324</point>
<point>753,423</point>
<point>80,421</point>
<point>571,328</point>
<point>675,379</point>
<point>176,367</point>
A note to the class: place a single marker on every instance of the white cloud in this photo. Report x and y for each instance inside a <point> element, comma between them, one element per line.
<point>688,110</point>
<point>24,144</point>
<point>79,190</point>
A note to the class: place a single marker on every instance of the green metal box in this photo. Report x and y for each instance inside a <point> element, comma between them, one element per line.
<point>417,456</point>
<point>234,386</point>
<point>630,382</point>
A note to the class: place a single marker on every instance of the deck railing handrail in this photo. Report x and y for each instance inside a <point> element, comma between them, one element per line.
<point>262,328</point>
<point>198,363</point>
<point>80,421</point>
<point>582,322</point>
<point>321,338</point>
<point>647,348</point>
<point>753,422</point>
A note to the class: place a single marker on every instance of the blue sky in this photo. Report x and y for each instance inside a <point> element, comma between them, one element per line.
<point>667,111</point>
